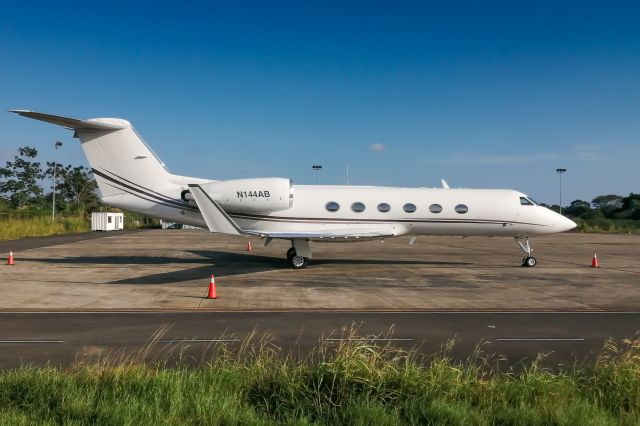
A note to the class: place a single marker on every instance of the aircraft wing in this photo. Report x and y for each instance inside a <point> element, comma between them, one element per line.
<point>327,234</point>
<point>216,218</point>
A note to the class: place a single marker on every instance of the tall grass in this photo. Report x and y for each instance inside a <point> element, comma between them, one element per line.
<point>352,383</point>
<point>37,226</point>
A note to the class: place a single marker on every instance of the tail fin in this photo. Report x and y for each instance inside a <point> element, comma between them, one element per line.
<point>120,160</point>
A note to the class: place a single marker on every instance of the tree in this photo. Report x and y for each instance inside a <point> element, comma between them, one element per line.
<point>631,202</point>
<point>580,203</point>
<point>607,200</point>
<point>75,185</point>
<point>578,208</point>
<point>630,208</point>
<point>20,179</point>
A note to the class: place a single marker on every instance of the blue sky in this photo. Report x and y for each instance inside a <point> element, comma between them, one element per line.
<point>483,94</point>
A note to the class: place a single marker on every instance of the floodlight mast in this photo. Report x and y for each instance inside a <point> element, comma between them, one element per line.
<point>316,168</point>
<point>56,145</point>
<point>560,173</point>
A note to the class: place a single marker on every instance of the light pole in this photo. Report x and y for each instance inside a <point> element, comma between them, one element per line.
<point>56,145</point>
<point>316,168</point>
<point>560,173</point>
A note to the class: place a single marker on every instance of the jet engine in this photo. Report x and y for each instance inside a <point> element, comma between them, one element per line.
<point>263,195</point>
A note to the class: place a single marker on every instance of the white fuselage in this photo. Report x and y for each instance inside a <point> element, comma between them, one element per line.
<point>491,212</point>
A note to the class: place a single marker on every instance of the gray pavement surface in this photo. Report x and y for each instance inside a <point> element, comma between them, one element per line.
<point>60,339</point>
<point>170,270</point>
<point>53,240</point>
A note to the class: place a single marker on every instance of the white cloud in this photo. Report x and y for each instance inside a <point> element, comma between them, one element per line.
<point>496,159</point>
<point>589,153</point>
<point>377,147</point>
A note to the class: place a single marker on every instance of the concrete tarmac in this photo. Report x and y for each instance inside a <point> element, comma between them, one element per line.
<point>54,240</point>
<point>59,339</point>
<point>170,270</point>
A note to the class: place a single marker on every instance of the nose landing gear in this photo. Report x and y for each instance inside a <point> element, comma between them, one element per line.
<point>528,261</point>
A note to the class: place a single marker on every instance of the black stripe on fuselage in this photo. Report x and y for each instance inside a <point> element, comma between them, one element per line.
<point>363,221</point>
<point>148,196</point>
<point>156,202</point>
<point>165,197</point>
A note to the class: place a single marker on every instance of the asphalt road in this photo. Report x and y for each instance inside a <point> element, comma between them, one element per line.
<point>62,338</point>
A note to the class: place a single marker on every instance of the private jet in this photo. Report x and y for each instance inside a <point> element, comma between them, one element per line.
<point>131,176</point>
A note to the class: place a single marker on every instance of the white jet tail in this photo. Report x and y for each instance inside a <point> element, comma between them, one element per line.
<point>120,160</point>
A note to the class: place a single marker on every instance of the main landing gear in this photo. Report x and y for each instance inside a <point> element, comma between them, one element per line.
<point>299,254</point>
<point>528,260</point>
<point>297,262</point>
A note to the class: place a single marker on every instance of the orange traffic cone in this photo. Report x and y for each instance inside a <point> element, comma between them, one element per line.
<point>212,289</point>
<point>249,248</point>
<point>594,261</point>
<point>10,261</point>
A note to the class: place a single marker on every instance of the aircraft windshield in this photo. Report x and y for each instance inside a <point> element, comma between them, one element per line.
<point>528,201</point>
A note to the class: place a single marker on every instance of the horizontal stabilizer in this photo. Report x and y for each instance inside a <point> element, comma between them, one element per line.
<point>70,123</point>
<point>216,218</point>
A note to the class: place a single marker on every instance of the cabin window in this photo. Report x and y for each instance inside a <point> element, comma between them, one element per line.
<point>332,206</point>
<point>409,208</point>
<point>461,208</point>
<point>435,208</point>
<point>384,207</point>
<point>525,202</point>
<point>357,207</point>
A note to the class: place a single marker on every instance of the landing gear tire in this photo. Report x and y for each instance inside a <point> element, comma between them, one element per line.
<point>529,262</point>
<point>291,253</point>
<point>298,262</point>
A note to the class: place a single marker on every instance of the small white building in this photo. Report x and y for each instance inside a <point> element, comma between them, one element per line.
<point>107,221</point>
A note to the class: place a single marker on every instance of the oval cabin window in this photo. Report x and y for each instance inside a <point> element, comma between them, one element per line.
<point>384,207</point>
<point>461,208</point>
<point>332,206</point>
<point>409,208</point>
<point>435,208</point>
<point>357,207</point>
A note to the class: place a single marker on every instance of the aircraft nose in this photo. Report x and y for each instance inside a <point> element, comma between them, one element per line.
<point>556,222</point>
<point>565,224</point>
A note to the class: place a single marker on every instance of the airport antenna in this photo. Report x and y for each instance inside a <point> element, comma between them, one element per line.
<point>347,173</point>
<point>560,173</point>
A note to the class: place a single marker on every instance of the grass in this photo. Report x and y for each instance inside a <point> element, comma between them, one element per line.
<point>13,226</point>
<point>354,383</point>
<point>38,226</point>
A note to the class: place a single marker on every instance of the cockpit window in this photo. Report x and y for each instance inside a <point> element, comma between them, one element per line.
<point>533,201</point>
<point>525,202</point>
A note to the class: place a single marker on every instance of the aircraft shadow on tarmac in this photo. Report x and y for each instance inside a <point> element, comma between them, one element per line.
<point>220,263</point>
